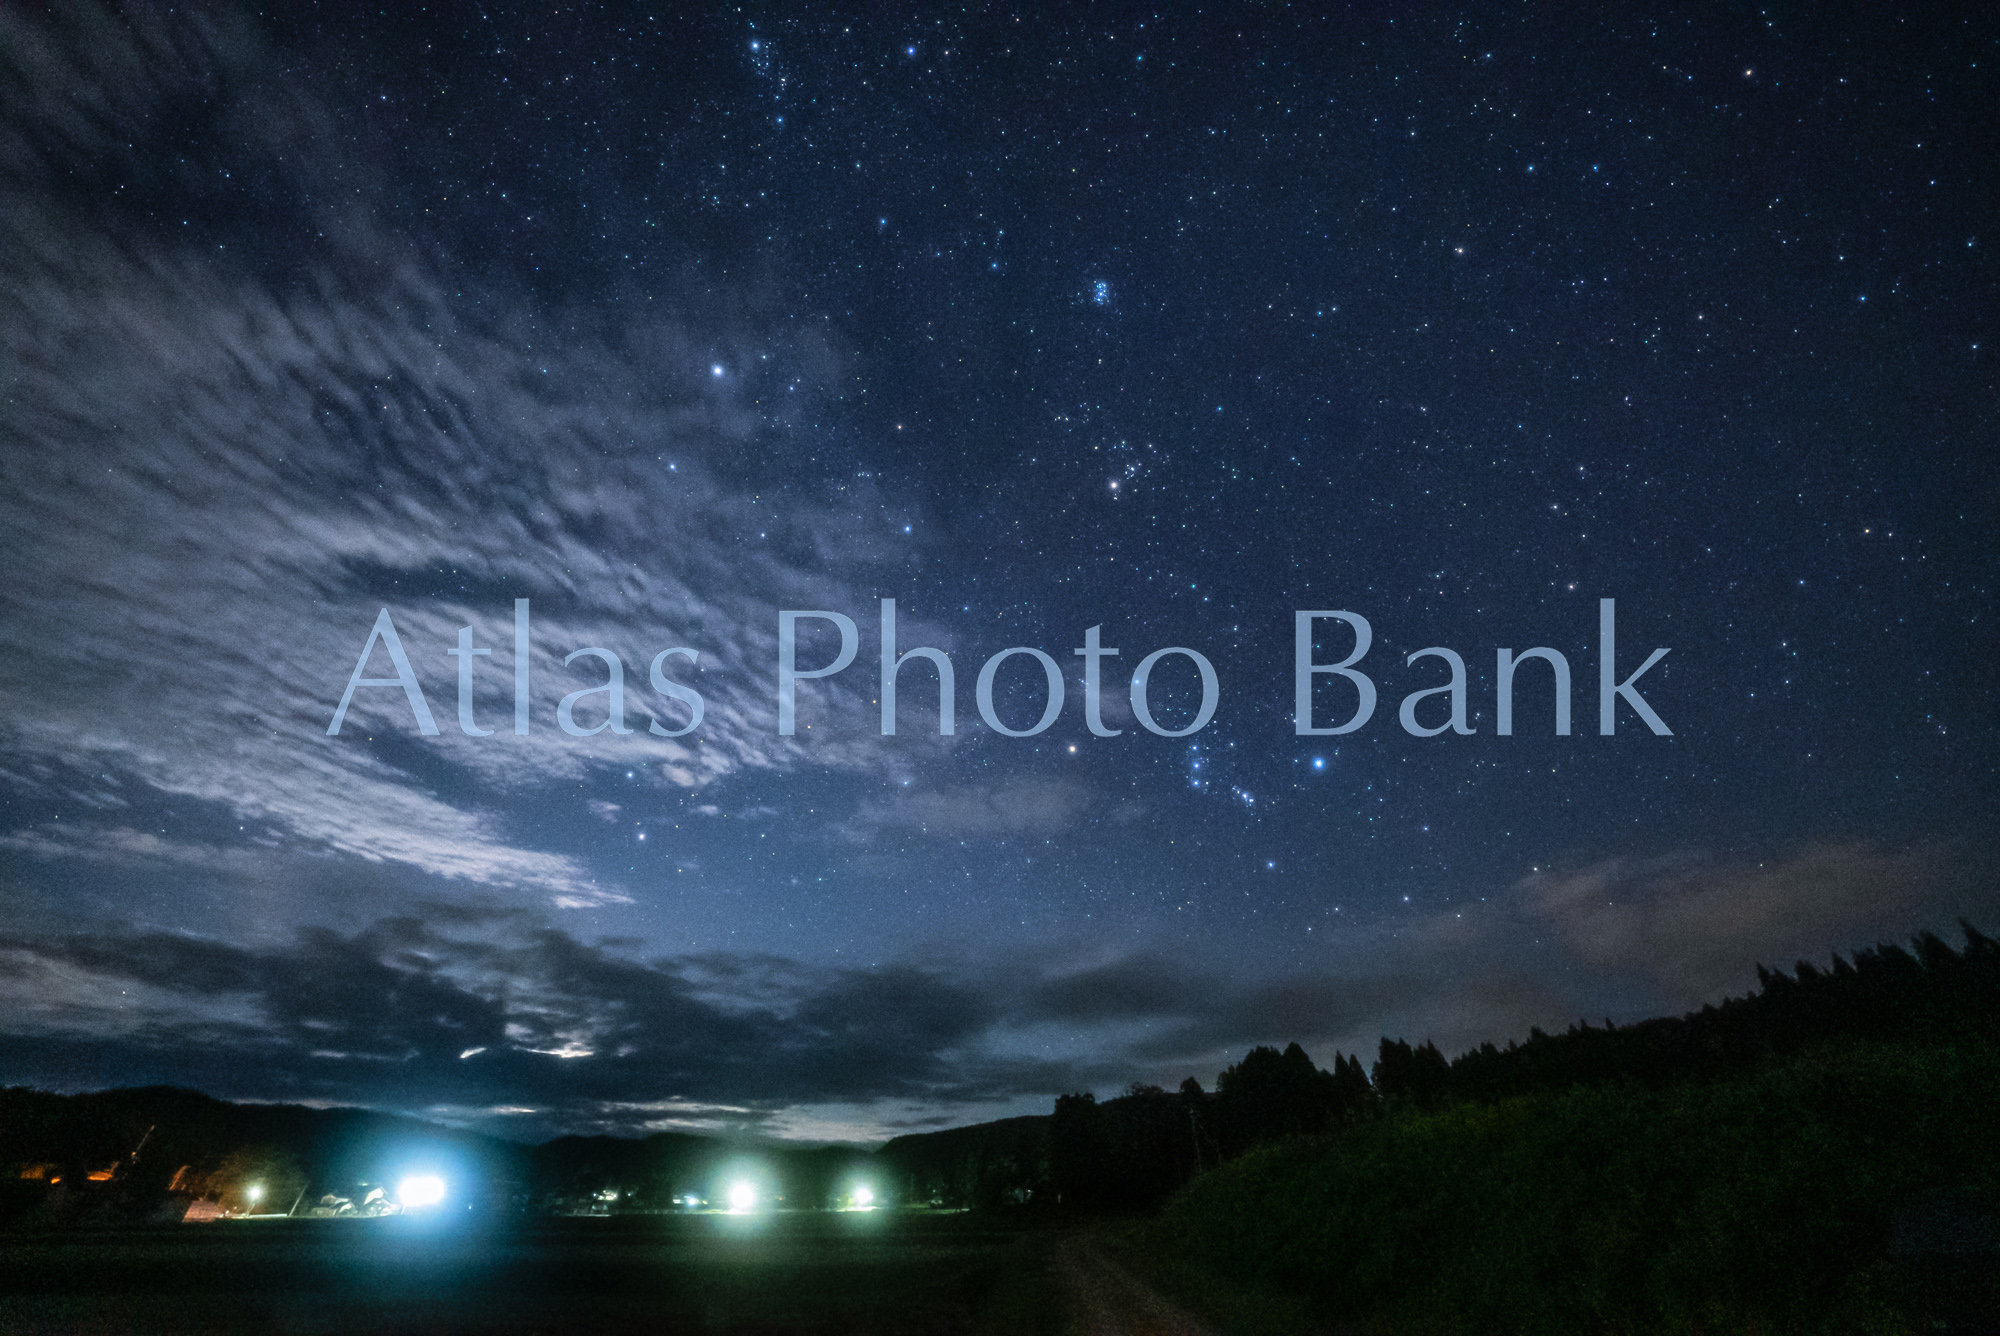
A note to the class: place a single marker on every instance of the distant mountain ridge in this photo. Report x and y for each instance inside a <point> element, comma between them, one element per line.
<point>121,1153</point>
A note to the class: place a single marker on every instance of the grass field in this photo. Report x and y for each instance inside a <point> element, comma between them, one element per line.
<point>881,1272</point>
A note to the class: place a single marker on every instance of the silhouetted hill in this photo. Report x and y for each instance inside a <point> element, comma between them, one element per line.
<point>117,1154</point>
<point>127,1149</point>
<point>984,1164</point>
<point>132,1154</point>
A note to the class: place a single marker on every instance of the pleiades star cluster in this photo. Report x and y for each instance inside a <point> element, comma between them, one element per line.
<point>1065,332</point>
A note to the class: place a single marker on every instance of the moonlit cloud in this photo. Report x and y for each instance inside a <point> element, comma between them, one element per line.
<point>219,476</point>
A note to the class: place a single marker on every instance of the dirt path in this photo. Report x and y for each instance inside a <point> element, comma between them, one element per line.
<point>1106,1299</point>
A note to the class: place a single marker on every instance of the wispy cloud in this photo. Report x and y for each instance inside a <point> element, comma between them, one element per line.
<point>221,469</point>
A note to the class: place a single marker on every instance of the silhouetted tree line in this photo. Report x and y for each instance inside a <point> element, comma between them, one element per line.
<point>1929,994</point>
<point>986,1165</point>
<point>1133,1151</point>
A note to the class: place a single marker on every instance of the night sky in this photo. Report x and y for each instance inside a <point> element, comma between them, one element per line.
<point>1170,324</point>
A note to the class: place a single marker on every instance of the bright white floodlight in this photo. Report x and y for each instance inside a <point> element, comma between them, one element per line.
<point>256,1193</point>
<point>864,1197</point>
<point>420,1190</point>
<point>742,1196</point>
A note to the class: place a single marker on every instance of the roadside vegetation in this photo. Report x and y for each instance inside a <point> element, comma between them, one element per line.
<point>1848,1189</point>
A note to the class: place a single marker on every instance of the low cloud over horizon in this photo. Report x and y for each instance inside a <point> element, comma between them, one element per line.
<point>483,1017</point>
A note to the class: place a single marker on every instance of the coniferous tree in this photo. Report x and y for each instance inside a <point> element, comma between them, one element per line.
<point>1078,1152</point>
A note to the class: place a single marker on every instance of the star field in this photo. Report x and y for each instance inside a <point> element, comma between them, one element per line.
<point>1166,324</point>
